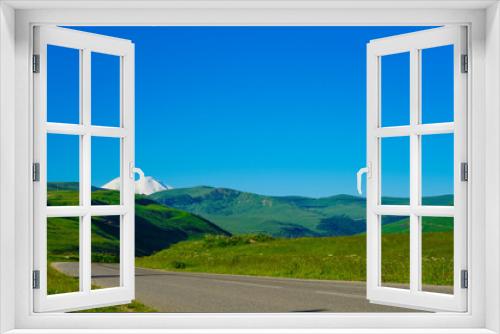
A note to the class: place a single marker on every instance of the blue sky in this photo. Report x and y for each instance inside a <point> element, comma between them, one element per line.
<point>271,110</point>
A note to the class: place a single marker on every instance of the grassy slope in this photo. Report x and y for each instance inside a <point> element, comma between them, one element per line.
<point>335,258</point>
<point>157,226</point>
<point>288,216</point>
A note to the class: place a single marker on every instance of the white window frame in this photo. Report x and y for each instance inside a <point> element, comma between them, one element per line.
<point>85,43</point>
<point>413,44</point>
<point>16,20</point>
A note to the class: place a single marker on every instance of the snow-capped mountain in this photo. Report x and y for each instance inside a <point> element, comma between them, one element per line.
<point>146,185</point>
<point>149,185</point>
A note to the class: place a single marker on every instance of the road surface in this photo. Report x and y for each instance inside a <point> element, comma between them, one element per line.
<point>200,292</point>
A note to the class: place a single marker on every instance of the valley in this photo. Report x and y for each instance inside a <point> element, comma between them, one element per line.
<point>224,231</point>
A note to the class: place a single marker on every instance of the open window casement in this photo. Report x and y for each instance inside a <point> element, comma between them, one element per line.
<point>413,133</point>
<point>73,203</point>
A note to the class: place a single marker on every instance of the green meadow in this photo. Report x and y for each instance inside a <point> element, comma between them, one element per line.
<point>328,258</point>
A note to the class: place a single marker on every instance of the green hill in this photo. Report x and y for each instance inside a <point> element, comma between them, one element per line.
<point>281,216</point>
<point>156,226</point>
<point>291,216</point>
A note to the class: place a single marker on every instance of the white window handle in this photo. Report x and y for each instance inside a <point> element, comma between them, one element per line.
<point>134,170</point>
<point>359,175</point>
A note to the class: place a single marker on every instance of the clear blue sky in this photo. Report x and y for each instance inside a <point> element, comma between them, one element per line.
<point>271,110</point>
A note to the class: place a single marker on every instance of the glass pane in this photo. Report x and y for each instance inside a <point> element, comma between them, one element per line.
<point>63,268</point>
<point>437,169</point>
<point>63,84</point>
<point>105,248</point>
<point>106,180</point>
<point>395,248</point>
<point>395,171</point>
<point>395,89</point>
<point>437,254</point>
<point>105,89</point>
<point>63,170</point>
<point>437,84</point>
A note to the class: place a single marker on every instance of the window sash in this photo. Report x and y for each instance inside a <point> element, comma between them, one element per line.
<point>86,43</point>
<point>414,43</point>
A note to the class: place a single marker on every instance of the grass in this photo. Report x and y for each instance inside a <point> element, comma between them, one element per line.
<point>339,258</point>
<point>329,258</point>
<point>61,283</point>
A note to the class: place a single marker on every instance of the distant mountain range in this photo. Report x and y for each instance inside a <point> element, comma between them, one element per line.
<point>285,216</point>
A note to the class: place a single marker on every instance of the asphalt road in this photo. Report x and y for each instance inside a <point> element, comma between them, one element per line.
<point>201,292</point>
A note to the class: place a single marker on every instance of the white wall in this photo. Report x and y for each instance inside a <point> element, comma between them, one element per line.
<point>492,196</point>
<point>7,176</point>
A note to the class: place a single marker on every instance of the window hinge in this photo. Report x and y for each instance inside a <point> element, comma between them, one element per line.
<point>464,171</point>
<point>36,172</point>
<point>464,279</point>
<point>465,64</point>
<point>36,63</point>
<point>36,279</point>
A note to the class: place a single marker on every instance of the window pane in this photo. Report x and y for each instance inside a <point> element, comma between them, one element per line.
<point>395,247</point>
<point>437,84</point>
<point>395,89</point>
<point>63,170</point>
<point>63,240</point>
<point>105,89</point>
<point>395,171</point>
<point>63,84</point>
<point>437,169</point>
<point>105,252</point>
<point>437,254</point>
<point>106,180</point>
